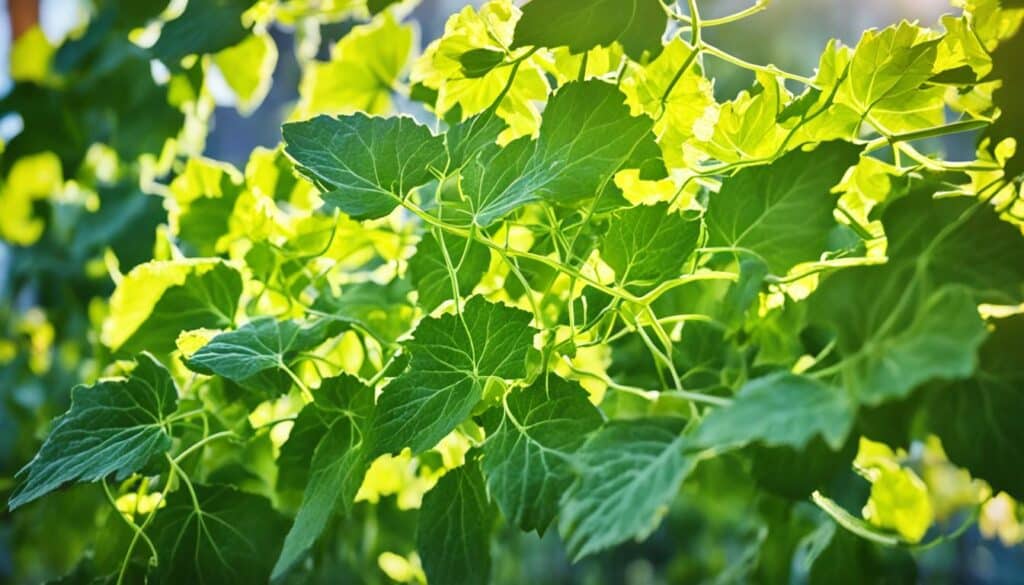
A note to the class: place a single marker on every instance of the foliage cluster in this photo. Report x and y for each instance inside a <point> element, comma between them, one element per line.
<point>587,294</point>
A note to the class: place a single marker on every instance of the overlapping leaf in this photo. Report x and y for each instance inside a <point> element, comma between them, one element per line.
<point>452,357</point>
<point>781,211</point>
<point>630,470</point>
<point>157,300</point>
<point>977,418</point>
<point>528,460</point>
<point>343,406</point>
<point>261,345</point>
<point>649,244</point>
<point>583,24</point>
<point>893,335</point>
<point>428,268</point>
<point>454,530</point>
<point>204,27</point>
<point>586,136</point>
<point>215,534</point>
<point>365,165</point>
<point>780,410</point>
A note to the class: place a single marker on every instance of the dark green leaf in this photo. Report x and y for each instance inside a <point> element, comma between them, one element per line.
<point>649,244</point>
<point>782,211</point>
<point>429,272</point>
<point>587,135</point>
<point>223,536</point>
<point>452,357</point>
<point>378,6</point>
<point>584,24</point>
<point>158,300</point>
<point>780,409</point>
<point>310,427</point>
<point>453,535</point>
<point>630,472</point>
<point>528,457</point>
<point>978,419</point>
<point>261,345</point>
<point>468,138</point>
<point>479,62</point>
<point>976,248</point>
<point>794,473</point>
<point>365,165</point>
<point>112,428</point>
<point>893,335</point>
<point>337,465</point>
<point>206,26</point>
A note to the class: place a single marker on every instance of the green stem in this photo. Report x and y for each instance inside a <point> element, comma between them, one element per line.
<point>852,524</point>
<point>171,475</point>
<point>299,383</point>
<point>136,529</point>
<point>933,132</point>
<point>771,69</point>
<point>758,6</point>
<point>201,443</point>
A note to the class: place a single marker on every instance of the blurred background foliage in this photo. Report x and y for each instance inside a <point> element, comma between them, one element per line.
<point>86,217</point>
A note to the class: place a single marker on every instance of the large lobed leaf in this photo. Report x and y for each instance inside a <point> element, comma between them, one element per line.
<point>529,457</point>
<point>365,165</point>
<point>782,211</point>
<point>113,428</point>
<point>453,535</point>
<point>452,357</point>
<point>629,472</point>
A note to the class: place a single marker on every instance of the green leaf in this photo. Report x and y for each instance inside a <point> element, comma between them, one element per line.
<point>365,65</point>
<point>528,457</point>
<point>584,24</point>
<point>136,14</point>
<point>293,461</point>
<point>649,244</point>
<point>377,6</point>
<point>429,273</point>
<point>452,357</point>
<point>781,211</point>
<point>337,466</point>
<point>248,68</point>
<point>629,473</point>
<point>797,473</point>
<point>204,198</point>
<point>158,300</point>
<point>479,62</point>
<point>780,409</point>
<point>679,106</point>
<point>978,419</point>
<point>586,136</point>
<point>112,428</point>
<point>976,248</point>
<point>453,534</point>
<point>206,26</point>
<point>1010,123</point>
<point>471,136</point>
<point>222,536</point>
<point>382,310</point>
<point>842,558</point>
<point>261,345</point>
<point>893,335</point>
<point>889,66</point>
<point>365,165</point>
